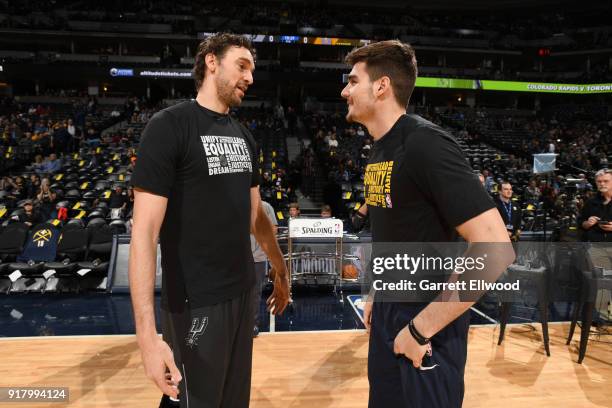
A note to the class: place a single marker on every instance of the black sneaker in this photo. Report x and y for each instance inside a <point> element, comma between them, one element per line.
<point>167,402</point>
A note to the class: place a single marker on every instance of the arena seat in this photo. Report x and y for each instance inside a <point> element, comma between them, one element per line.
<point>12,240</point>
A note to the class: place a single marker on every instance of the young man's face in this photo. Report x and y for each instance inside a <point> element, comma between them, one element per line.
<point>234,74</point>
<point>359,94</point>
<point>294,212</point>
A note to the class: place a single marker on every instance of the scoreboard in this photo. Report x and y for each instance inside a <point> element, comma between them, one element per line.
<point>298,39</point>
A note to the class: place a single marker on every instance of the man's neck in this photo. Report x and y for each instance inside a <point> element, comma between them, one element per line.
<point>607,197</point>
<point>504,199</point>
<point>383,121</point>
<point>207,98</point>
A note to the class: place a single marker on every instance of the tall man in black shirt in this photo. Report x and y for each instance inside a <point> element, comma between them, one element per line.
<point>418,188</point>
<point>196,187</point>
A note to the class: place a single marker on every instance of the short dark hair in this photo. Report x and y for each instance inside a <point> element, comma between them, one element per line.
<point>294,205</point>
<point>217,44</point>
<point>326,208</point>
<point>391,58</point>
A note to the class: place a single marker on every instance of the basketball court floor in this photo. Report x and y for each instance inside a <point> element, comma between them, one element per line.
<point>316,356</point>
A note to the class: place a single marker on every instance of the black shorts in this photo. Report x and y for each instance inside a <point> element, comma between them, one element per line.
<point>395,383</point>
<point>213,350</point>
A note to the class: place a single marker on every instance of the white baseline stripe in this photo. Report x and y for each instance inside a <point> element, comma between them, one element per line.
<point>272,323</point>
<point>186,389</point>
<point>262,333</point>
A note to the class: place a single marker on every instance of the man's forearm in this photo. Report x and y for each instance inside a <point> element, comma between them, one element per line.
<point>142,265</point>
<point>497,256</point>
<point>437,315</point>
<point>264,234</point>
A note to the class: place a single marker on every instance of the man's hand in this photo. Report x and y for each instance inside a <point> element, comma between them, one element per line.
<point>406,345</point>
<point>606,227</point>
<point>277,302</point>
<point>367,314</point>
<point>592,221</point>
<point>158,360</point>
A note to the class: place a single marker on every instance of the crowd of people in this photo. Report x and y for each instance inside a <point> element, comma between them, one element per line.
<point>337,152</point>
<point>500,30</point>
<point>41,143</point>
<point>333,153</point>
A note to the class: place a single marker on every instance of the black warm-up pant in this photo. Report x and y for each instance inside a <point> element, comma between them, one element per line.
<point>213,349</point>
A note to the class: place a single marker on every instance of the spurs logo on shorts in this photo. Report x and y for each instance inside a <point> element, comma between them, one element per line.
<point>198,325</point>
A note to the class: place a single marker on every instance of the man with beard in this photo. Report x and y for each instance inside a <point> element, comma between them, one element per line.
<point>418,188</point>
<point>596,216</point>
<point>196,185</point>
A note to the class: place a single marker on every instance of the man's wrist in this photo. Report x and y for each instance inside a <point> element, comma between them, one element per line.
<point>416,334</point>
<point>421,327</point>
<point>280,269</point>
<point>146,339</point>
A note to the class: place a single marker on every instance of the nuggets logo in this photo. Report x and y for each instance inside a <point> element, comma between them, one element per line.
<point>42,236</point>
<point>377,182</point>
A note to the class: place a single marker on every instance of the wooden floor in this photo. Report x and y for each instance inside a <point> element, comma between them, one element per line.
<point>324,369</point>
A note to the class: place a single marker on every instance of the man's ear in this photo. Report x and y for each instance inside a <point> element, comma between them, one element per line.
<point>382,85</point>
<point>211,62</point>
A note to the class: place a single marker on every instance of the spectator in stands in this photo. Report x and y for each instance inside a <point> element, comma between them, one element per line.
<point>130,201</point>
<point>70,128</point>
<point>294,210</point>
<point>33,186</point>
<point>6,184</point>
<point>52,165</point>
<point>489,181</point>
<point>38,165</point>
<point>118,200</point>
<point>261,262</point>
<point>29,215</point>
<point>92,138</point>
<point>308,172</point>
<point>18,191</point>
<point>326,211</point>
<point>61,139</point>
<point>360,220</point>
<point>596,217</point>
<point>583,185</point>
<point>365,149</point>
<point>532,192</point>
<point>46,198</point>
<point>509,211</point>
<point>333,143</point>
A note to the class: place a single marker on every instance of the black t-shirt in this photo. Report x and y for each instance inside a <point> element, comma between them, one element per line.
<point>419,185</point>
<point>117,200</point>
<point>205,164</point>
<point>34,218</point>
